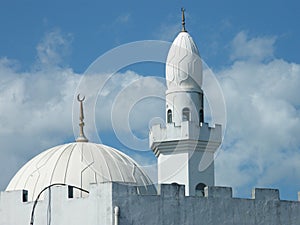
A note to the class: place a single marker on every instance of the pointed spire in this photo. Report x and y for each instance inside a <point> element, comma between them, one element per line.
<point>183,20</point>
<point>81,137</point>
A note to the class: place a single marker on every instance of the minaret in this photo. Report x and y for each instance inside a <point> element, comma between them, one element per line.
<point>185,147</point>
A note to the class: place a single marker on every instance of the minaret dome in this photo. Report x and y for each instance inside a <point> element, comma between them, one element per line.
<point>183,65</point>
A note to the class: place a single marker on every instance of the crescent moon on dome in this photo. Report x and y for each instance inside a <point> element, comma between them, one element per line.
<point>78,98</point>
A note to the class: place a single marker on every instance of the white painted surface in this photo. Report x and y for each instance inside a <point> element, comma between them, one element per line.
<point>184,65</point>
<point>77,164</point>
<point>185,147</point>
<point>170,206</point>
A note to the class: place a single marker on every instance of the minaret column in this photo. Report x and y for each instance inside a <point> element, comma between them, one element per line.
<point>185,146</point>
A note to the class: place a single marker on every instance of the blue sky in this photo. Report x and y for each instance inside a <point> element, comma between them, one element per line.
<point>252,47</point>
<point>91,24</point>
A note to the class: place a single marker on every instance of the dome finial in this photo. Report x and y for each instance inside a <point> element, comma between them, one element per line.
<point>81,137</point>
<point>183,20</point>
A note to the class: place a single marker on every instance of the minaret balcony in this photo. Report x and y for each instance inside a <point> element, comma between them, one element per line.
<point>183,138</point>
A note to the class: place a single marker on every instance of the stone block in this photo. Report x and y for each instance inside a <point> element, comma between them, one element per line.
<point>124,189</point>
<point>171,190</point>
<point>265,194</point>
<point>218,192</point>
<point>14,196</point>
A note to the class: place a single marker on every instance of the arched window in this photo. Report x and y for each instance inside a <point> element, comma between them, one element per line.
<point>169,116</point>
<point>201,116</point>
<point>186,114</point>
<point>200,189</point>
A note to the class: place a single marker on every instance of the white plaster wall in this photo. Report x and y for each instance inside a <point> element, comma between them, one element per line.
<point>218,207</point>
<point>185,153</point>
<point>173,168</point>
<point>201,169</point>
<point>187,168</point>
<point>187,130</point>
<point>170,206</point>
<point>178,100</point>
<point>60,210</point>
<point>183,65</point>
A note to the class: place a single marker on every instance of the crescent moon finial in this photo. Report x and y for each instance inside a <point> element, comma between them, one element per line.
<point>78,98</point>
<point>81,137</point>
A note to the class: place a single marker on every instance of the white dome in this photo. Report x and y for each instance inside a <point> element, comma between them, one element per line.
<point>184,66</point>
<point>78,164</point>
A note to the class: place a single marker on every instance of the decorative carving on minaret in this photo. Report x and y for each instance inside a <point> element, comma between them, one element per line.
<point>184,65</point>
<point>81,137</point>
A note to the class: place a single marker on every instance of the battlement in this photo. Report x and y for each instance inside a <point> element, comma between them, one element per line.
<point>170,137</point>
<point>125,190</point>
<point>217,206</point>
<point>187,130</point>
<point>265,194</point>
<point>258,194</point>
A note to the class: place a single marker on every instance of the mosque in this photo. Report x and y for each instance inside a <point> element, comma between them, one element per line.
<point>94,184</point>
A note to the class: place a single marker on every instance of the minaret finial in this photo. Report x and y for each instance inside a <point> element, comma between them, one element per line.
<point>81,137</point>
<point>183,20</point>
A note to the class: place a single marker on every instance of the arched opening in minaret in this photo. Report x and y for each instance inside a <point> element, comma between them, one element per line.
<point>200,189</point>
<point>169,116</point>
<point>186,114</point>
<point>201,116</point>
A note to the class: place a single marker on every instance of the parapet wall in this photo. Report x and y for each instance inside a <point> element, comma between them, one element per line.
<point>168,206</point>
<point>187,130</point>
<point>171,206</point>
<point>185,137</point>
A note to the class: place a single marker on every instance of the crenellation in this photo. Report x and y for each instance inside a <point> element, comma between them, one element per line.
<point>170,190</point>
<point>123,189</point>
<point>218,192</point>
<point>169,205</point>
<point>14,196</point>
<point>99,190</point>
<point>187,130</point>
<point>163,190</point>
<point>265,194</point>
<point>60,192</point>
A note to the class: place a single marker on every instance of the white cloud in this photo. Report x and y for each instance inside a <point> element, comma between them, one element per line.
<point>123,18</point>
<point>53,48</point>
<point>252,49</point>
<point>167,32</point>
<point>262,144</point>
<point>36,106</point>
<point>35,111</point>
<point>126,105</point>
